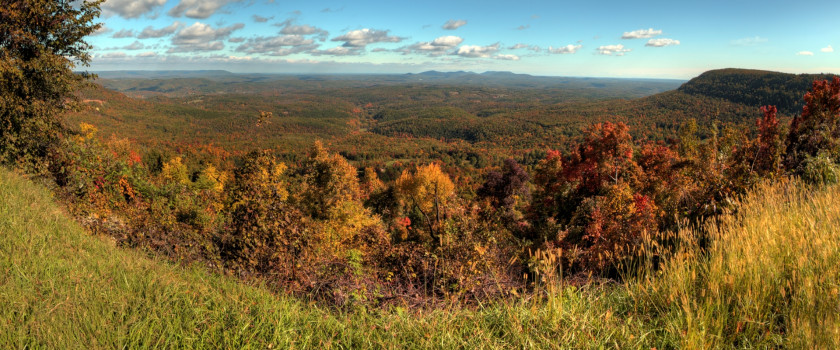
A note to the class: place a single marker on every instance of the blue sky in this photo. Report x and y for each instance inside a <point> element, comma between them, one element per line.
<point>652,39</point>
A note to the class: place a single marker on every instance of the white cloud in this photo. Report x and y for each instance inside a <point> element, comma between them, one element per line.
<point>363,37</point>
<point>753,41</point>
<point>261,19</point>
<point>282,45</point>
<point>454,24</point>
<point>477,51</point>
<point>136,45</point>
<point>804,53</point>
<point>124,33</point>
<point>641,34</point>
<point>435,47</point>
<point>568,49</point>
<point>827,49</point>
<point>523,27</point>
<point>150,32</point>
<point>519,46</point>
<point>112,55</point>
<point>507,57</point>
<point>131,8</point>
<point>338,51</point>
<point>612,50</point>
<point>449,40</point>
<point>147,54</point>
<point>198,8</point>
<point>304,29</point>
<point>202,37</point>
<point>662,42</point>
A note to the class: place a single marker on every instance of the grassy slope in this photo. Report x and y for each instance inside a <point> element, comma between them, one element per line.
<point>62,288</point>
<point>770,278</point>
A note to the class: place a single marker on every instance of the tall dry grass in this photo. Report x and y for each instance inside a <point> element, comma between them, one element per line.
<point>768,275</point>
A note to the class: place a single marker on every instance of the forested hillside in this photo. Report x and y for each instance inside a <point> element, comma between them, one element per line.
<point>754,87</point>
<point>375,120</point>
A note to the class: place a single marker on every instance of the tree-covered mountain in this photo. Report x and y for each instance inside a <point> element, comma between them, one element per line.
<point>754,87</point>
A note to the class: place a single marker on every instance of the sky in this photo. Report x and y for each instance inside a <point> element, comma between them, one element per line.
<point>642,39</point>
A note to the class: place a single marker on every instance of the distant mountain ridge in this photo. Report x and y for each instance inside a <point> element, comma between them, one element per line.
<point>754,87</point>
<point>158,74</point>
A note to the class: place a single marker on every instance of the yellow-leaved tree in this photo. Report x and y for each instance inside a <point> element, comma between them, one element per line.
<point>426,192</point>
<point>332,197</point>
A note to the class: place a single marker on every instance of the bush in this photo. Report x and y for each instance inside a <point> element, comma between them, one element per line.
<point>820,170</point>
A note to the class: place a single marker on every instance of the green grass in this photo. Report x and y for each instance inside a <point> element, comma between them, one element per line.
<point>61,288</point>
<point>769,278</point>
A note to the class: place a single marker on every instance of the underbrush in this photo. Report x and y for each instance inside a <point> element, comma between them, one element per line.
<point>767,278</point>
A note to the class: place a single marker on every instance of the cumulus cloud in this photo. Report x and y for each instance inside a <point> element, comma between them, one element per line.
<point>454,24</point>
<point>362,37</point>
<point>523,27</point>
<point>804,53</point>
<point>136,45</point>
<point>338,51</point>
<point>474,51</point>
<point>261,19</point>
<point>198,8</point>
<point>124,33</point>
<point>236,40</point>
<point>150,32</point>
<point>749,41</point>
<point>507,57</point>
<point>435,47</point>
<point>282,45</point>
<point>641,34</point>
<point>112,55</point>
<point>612,50</point>
<point>202,37</point>
<point>304,29</point>
<point>568,49</point>
<point>662,42</point>
<point>827,49</point>
<point>131,8</point>
<point>147,54</point>
<point>519,46</point>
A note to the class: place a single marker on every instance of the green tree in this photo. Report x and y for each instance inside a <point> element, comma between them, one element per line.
<point>41,42</point>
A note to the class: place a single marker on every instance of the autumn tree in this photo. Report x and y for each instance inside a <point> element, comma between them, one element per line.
<point>330,194</point>
<point>760,157</point>
<point>41,42</point>
<point>603,157</point>
<point>263,231</point>
<point>508,190</point>
<point>618,223</point>
<point>428,191</point>
<point>328,180</point>
<point>817,129</point>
